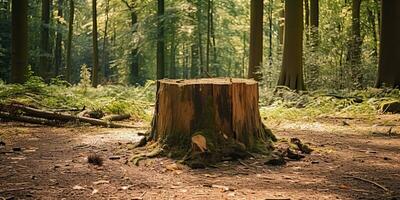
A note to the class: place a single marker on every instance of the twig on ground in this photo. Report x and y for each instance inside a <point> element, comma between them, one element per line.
<point>368,181</point>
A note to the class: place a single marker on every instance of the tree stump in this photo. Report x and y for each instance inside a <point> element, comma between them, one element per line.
<point>209,120</point>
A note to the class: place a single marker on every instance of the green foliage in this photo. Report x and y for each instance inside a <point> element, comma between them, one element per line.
<point>284,104</point>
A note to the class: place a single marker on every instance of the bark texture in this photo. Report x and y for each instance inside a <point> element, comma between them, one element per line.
<point>292,66</point>
<point>68,73</point>
<point>19,41</point>
<point>223,113</point>
<point>389,55</point>
<point>95,69</point>
<point>256,40</point>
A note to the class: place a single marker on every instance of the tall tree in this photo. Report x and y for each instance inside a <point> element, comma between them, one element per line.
<point>200,34</point>
<point>160,40</point>
<point>389,55</point>
<point>68,73</point>
<point>134,67</point>
<point>95,69</point>
<point>105,70</point>
<point>58,49</point>
<point>354,52</point>
<point>44,65</point>
<point>314,22</point>
<point>256,39</point>
<point>292,64</point>
<point>19,41</point>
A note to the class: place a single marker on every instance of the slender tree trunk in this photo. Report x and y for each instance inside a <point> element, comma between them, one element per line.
<point>200,35</point>
<point>256,39</point>
<point>194,69</point>
<point>292,65</point>
<point>389,55</point>
<point>173,47</point>
<point>270,15</point>
<point>95,69</point>
<point>281,22</point>
<point>135,51</point>
<point>105,41</point>
<point>160,41</point>
<point>212,27</point>
<point>44,66</point>
<point>58,49</point>
<point>372,19</point>
<point>307,19</point>
<point>208,36</point>
<point>242,71</point>
<point>19,41</point>
<point>68,73</point>
<point>314,22</point>
<point>354,53</point>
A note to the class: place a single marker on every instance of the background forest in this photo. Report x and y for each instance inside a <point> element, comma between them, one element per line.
<point>212,34</point>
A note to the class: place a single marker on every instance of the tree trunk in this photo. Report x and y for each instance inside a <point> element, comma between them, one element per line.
<point>256,39</point>
<point>354,52</point>
<point>19,41</point>
<point>160,41</point>
<point>44,66</point>
<point>314,22</point>
<point>5,40</point>
<point>307,19</point>
<point>292,65</point>
<point>68,73</point>
<point>95,69</point>
<point>58,49</point>
<point>135,51</point>
<point>105,41</point>
<point>281,22</point>
<point>194,67</point>
<point>200,36</point>
<point>209,120</point>
<point>215,55</point>
<point>389,55</point>
<point>208,36</point>
<point>270,31</point>
<point>371,19</point>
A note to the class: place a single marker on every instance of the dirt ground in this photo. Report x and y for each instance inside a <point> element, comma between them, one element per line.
<point>353,159</point>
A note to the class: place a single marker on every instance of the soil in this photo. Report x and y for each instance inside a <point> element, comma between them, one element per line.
<point>352,159</point>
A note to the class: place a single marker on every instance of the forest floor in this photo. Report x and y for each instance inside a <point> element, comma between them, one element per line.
<point>353,159</point>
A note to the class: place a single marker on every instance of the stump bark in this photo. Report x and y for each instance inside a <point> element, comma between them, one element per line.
<point>209,120</point>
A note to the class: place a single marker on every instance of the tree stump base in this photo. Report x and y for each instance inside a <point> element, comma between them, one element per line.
<point>209,120</point>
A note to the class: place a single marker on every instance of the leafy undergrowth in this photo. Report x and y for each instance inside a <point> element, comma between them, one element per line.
<point>277,105</point>
<point>111,99</point>
<point>285,104</point>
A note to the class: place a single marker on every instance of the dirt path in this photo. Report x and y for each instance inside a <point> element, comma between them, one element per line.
<point>349,162</point>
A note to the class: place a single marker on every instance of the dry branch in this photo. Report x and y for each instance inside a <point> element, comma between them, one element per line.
<point>116,117</point>
<point>33,112</point>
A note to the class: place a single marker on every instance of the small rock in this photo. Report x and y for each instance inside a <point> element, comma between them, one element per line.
<point>78,187</point>
<point>101,182</point>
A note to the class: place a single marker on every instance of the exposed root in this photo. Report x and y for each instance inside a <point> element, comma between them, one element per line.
<point>157,150</point>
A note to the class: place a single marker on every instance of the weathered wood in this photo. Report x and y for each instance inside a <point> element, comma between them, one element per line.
<point>222,113</point>
<point>33,112</point>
